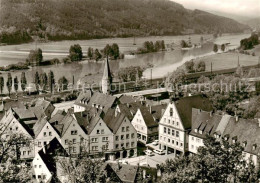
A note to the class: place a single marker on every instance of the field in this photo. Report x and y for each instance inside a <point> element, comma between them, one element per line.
<point>226,61</point>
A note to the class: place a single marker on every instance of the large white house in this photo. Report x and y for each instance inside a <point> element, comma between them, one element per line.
<point>176,123</point>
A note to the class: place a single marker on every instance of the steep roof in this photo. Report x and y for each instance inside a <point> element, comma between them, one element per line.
<point>126,99</point>
<point>206,123</point>
<point>244,130</point>
<point>84,97</point>
<point>129,109</point>
<point>42,102</point>
<point>184,107</point>
<point>114,119</point>
<point>24,113</point>
<point>126,173</point>
<point>37,128</point>
<point>107,73</point>
<point>58,116</point>
<point>49,152</point>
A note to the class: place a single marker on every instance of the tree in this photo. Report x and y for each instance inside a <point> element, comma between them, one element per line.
<point>215,48</point>
<point>90,53</point>
<point>97,55</point>
<point>162,45</point>
<point>35,57</point>
<point>130,73</point>
<point>157,46</point>
<point>201,67</point>
<point>12,168</point>
<point>201,40</point>
<point>43,80</point>
<point>9,83</point>
<point>184,44</point>
<point>189,66</point>
<point>2,84</point>
<point>63,83</point>
<point>23,81</point>
<point>51,81</point>
<point>115,51</point>
<point>216,161</point>
<point>16,84</point>
<point>82,169</point>
<point>107,51</point>
<point>37,80</point>
<point>223,47</point>
<point>177,77</point>
<point>75,52</point>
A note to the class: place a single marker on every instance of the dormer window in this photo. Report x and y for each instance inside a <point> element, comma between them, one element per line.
<point>226,137</point>
<point>234,139</point>
<point>196,130</point>
<point>254,147</point>
<point>244,144</point>
<point>200,131</point>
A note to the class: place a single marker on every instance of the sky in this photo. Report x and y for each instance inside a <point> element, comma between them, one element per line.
<point>248,8</point>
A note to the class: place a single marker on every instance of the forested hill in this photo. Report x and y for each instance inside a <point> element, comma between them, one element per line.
<point>86,19</point>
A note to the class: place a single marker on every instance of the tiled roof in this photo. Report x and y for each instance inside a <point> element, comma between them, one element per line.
<point>58,116</point>
<point>84,97</point>
<point>24,113</point>
<point>129,109</point>
<point>245,130</point>
<point>42,102</point>
<point>125,99</point>
<point>126,173</point>
<point>38,126</point>
<point>206,123</point>
<point>114,119</point>
<point>184,107</point>
<point>66,121</point>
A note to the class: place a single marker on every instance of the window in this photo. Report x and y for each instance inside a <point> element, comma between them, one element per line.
<point>198,140</point>
<point>181,144</point>
<point>171,112</point>
<point>11,129</point>
<point>127,144</point>
<point>74,141</point>
<point>172,141</point>
<point>35,166</point>
<point>117,146</point>
<point>173,132</point>
<point>177,143</point>
<point>66,141</point>
<point>74,149</point>
<point>40,166</point>
<point>94,140</point>
<point>172,122</point>
<point>16,128</point>
<point>127,136</point>
<point>98,132</point>
<point>102,131</point>
<point>192,146</point>
<point>123,129</point>
<point>132,144</point>
<point>169,140</point>
<point>94,148</point>
<point>50,134</point>
<point>44,134</point>
<point>177,123</point>
<point>104,139</point>
<point>39,144</point>
<point>165,120</point>
<point>122,137</point>
<point>122,145</point>
<point>192,138</point>
<point>24,152</point>
<point>177,133</point>
<point>44,143</point>
<point>74,132</point>
<point>132,135</point>
<point>117,138</point>
<point>169,131</point>
<point>169,121</point>
<point>164,129</point>
<point>29,152</point>
<point>39,176</point>
<point>44,176</point>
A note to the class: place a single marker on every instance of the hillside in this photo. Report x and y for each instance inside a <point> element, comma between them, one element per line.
<point>87,19</point>
<point>254,23</point>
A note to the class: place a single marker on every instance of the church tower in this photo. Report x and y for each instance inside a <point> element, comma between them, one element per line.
<point>106,79</point>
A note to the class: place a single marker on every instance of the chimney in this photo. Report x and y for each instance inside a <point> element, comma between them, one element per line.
<point>236,118</point>
<point>150,108</point>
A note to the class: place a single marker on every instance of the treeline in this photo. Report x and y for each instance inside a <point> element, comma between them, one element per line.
<point>149,46</point>
<point>249,43</point>
<point>130,73</point>
<point>14,36</point>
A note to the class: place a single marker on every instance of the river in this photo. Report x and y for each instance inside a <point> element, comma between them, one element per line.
<point>163,62</point>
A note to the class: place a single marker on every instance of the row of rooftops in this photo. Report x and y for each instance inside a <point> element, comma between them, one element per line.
<point>232,128</point>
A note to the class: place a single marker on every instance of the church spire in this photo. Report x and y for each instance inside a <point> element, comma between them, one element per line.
<point>107,78</point>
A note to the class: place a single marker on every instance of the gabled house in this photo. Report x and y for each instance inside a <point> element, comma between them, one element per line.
<point>176,123</point>
<point>12,124</point>
<point>45,162</point>
<point>146,122</point>
<point>42,108</point>
<point>73,137</point>
<point>124,134</point>
<point>44,132</point>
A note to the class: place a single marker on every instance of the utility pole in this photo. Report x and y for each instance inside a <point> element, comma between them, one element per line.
<point>211,68</point>
<point>151,75</point>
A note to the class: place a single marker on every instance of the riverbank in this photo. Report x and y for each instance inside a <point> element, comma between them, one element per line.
<point>227,60</point>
